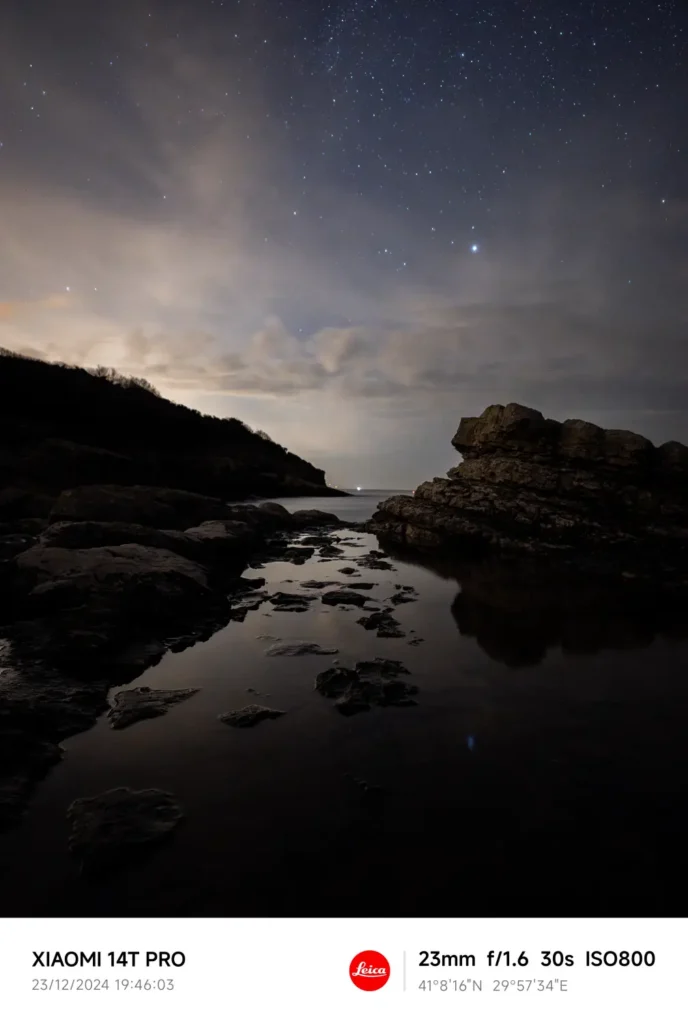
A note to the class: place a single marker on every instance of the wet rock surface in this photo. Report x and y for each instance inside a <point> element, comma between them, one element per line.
<point>603,501</point>
<point>161,507</point>
<point>247,717</point>
<point>347,596</point>
<point>375,682</point>
<point>245,595</point>
<point>131,706</point>
<point>384,622</point>
<point>291,602</point>
<point>375,560</point>
<point>120,825</point>
<point>297,649</point>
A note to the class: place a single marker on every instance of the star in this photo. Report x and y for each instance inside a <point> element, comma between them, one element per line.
<point>475,247</point>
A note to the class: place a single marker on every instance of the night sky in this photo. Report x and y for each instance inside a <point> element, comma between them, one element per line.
<point>349,224</point>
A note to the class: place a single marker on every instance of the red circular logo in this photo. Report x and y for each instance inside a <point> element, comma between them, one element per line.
<point>369,970</point>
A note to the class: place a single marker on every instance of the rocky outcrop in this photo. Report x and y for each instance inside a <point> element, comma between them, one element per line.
<point>605,499</point>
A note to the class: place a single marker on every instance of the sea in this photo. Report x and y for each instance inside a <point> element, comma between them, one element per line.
<point>356,507</point>
<point>543,770</point>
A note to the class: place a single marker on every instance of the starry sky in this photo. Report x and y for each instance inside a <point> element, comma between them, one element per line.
<point>350,224</point>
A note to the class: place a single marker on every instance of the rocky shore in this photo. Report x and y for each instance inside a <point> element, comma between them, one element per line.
<point>101,588</point>
<point>600,501</point>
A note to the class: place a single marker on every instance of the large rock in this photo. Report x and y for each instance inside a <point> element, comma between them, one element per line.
<point>162,507</point>
<point>568,490</point>
<point>223,539</point>
<point>97,535</point>
<point>314,517</point>
<point>91,599</point>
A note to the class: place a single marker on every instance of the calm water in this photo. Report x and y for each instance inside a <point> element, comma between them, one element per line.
<point>544,770</point>
<point>356,508</point>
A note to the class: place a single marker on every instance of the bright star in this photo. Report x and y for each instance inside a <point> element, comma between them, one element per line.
<point>474,247</point>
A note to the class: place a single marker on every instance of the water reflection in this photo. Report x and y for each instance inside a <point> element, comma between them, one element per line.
<point>518,611</point>
<point>451,807</point>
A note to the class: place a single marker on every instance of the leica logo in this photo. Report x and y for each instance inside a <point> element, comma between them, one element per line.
<point>369,970</point>
<point>363,969</point>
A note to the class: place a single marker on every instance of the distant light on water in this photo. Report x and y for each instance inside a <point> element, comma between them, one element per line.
<point>359,488</point>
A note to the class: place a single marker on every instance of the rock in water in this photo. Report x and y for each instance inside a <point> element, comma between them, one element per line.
<point>334,682</point>
<point>603,499</point>
<point>314,517</point>
<point>384,622</point>
<point>348,596</point>
<point>371,682</point>
<point>375,561</point>
<point>291,602</point>
<point>297,649</point>
<point>246,717</point>
<point>111,828</point>
<point>130,706</point>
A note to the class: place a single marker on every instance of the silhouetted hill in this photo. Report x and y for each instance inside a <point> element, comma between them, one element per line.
<point>61,426</point>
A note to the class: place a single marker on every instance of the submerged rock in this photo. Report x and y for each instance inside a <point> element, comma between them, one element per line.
<point>109,829</point>
<point>130,706</point>
<point>404,595</point>
<point>249,716</point>
<point>371,682</point>
<point>297,648</point>
<point>375,561</point>
<point>384,622</point>
<point>316,584</point>
<point>348,596</point>
<point>291,602</point>
<point>361,586</point>
<point>349,571</point>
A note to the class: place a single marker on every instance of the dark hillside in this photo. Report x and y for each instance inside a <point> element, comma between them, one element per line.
<point>61,426</point>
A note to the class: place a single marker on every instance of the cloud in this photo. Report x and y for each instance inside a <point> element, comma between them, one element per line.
<point>196,255</point>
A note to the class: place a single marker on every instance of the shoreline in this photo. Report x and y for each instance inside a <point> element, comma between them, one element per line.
<point>81,620</point>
